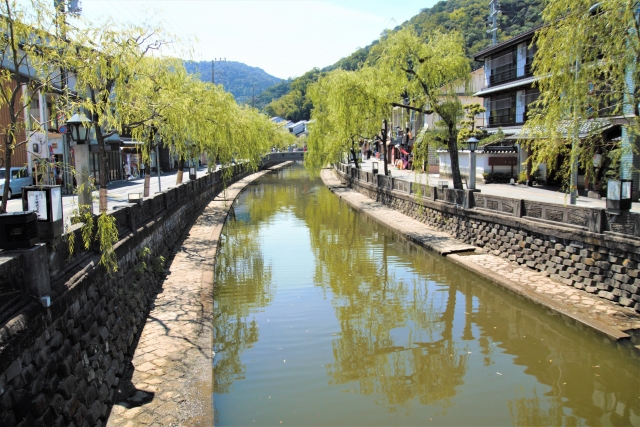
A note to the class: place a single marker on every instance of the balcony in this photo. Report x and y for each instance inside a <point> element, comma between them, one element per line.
<point>505,116</point>
<point>502,74</point>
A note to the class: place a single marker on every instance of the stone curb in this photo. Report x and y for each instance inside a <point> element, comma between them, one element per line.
<point>535,297</point>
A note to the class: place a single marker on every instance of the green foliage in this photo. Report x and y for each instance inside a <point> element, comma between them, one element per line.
<point>107,236</point>
<point>586,65</point>
<point>241,80</point>
<point>26,49</point>
<point>425,67</point>
<point>349,106</point>
<point>467,17</point>
<point>296,105</point>
<point>469,123</point>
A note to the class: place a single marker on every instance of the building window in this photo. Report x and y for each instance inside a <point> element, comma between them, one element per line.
<point>501,110</point>
<point>503,68</point>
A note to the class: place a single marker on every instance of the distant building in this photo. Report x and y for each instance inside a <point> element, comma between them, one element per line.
<point>278,120</point>
<point>508,93</point>
<point>299,128</point>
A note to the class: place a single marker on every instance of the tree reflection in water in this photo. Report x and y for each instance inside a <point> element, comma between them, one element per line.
<point>413,330</point>
<point>394,343</point>
<point>247,286</point>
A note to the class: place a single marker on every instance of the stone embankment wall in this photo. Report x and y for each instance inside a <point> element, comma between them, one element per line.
<point>580,251</point>
<point>63,365</point>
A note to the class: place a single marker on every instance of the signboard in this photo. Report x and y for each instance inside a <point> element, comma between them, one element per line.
<point>62,129</point>
<point>37,202</point>
<point>503,161</point>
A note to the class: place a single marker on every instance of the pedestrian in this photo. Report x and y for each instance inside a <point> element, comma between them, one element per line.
<point>142,168</point>
<point>127,171</point>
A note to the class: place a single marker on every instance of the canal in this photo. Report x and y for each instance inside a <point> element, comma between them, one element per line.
<point>324,317</point>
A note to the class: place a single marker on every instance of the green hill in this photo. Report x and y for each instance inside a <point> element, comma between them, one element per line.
<point>469,17</point>
<point>241,80</point>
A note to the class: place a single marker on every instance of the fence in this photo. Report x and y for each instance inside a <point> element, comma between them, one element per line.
<point>595,220</point>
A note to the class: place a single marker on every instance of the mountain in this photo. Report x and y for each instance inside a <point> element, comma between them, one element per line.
<point>241,80</point>
<point>468,17</point>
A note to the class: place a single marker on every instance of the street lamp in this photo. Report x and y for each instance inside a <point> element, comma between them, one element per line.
<point>473,146</point>
<point>79,126</point>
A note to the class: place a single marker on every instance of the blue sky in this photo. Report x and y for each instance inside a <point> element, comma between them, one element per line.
<point>286,38</point>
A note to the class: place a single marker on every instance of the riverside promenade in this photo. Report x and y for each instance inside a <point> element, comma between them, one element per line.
<point>170,381</point>
<point>536,193</point>
<point>575,305</point>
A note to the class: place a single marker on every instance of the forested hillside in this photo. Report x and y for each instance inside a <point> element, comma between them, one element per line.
<point>239,79</point>
<point>469,17</point>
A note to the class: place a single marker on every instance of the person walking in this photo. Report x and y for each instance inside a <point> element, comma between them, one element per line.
<point>142,169</point>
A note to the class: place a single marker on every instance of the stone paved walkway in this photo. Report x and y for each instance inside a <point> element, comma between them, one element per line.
<point>171,383</point>
<point>600,314</point>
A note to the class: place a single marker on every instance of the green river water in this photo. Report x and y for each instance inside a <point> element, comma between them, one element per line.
<point>324,317</point>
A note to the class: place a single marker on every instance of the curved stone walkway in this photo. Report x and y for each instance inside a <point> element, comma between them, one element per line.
<point>605,316</point>
<point>171,383</point>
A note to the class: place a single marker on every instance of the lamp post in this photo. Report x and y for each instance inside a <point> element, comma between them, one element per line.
<point>473,146</point>
<point>80,126</point>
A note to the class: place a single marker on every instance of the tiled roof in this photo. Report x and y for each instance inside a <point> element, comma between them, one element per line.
<point>499,46</point>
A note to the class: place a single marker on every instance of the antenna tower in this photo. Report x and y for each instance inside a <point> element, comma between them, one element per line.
<point>494,12</point>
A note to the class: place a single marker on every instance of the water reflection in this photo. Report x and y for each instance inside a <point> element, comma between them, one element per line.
<point>413,334</point>
<point>241,267</point>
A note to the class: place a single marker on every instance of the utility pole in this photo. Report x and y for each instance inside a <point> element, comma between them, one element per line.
<point>494,12</point>
<point>213,70</point>
<point>253,95</point>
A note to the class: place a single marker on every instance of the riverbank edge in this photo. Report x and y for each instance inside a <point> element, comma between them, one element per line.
<point>190,378</point>
<point>333,182</point>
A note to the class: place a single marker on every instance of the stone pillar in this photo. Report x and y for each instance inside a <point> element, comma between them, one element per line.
<point>36,271</point>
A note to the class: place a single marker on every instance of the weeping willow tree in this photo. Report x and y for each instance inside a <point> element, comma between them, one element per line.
<point>29,47</point>
<point>586,65</point>
<point>348,106</point>
<point>155,105</point>
<point>426,66</point>
<point>103,73</point>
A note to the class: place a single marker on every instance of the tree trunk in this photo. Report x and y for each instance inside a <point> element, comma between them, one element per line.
<point>355,158</point>
<point>455,165</point>
<point>102,175</point>
<point>7,169</point>
<point>180,169</point>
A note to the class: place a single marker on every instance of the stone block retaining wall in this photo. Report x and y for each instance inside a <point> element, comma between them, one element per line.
<point>606,264</point>
<point>63,365</point>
